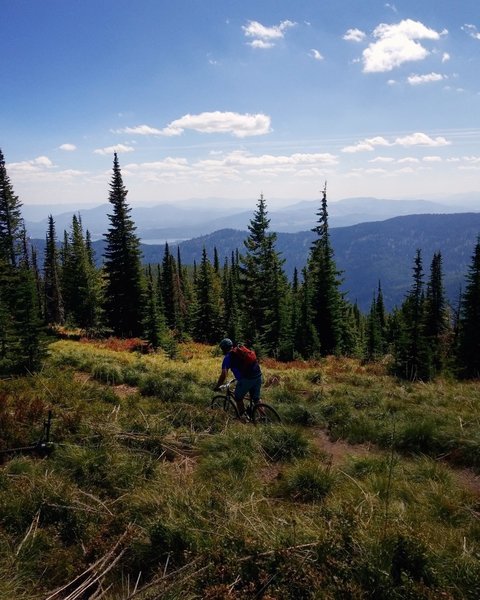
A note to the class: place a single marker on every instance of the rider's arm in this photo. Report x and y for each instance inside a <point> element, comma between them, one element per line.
<point>222,378</point>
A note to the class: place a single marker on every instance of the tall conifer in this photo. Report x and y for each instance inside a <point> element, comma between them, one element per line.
<point>468,353</point>
<point>324,284</point>
<point>124,288</point>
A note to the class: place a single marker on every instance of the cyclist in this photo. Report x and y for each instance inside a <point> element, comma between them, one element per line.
<point>245,368</point>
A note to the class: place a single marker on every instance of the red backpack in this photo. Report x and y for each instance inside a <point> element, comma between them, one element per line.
<point>244,359</point>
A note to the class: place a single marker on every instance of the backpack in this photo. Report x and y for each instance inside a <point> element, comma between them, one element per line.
<point>244,359</point>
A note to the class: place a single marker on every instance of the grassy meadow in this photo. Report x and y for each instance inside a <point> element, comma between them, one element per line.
<point>369,488</point>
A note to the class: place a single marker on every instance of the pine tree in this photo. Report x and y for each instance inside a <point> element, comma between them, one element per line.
<point>307,342</point>
<point>54,312</point>
<point>29,332</point>
<point>410,351</point>
<point>21,345</point>
<point>81,285</point>
<point>468,352</point>
<point>263,284</point>
<point>170,291</point>
<point>124,289</point>
<point>436,326</point>
<point>11,222</point>
<point>154,322</point>
<point>324,283</point>
<point>207,325</point>
<point>231,317</point>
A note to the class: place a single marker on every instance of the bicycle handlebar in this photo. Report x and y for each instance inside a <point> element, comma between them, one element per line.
<point>227,385</point>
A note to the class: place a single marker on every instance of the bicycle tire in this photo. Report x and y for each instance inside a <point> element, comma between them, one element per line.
<point>230,407</point>
<point>218,401</point>
<point>225,403</point>
<point>263,414</point>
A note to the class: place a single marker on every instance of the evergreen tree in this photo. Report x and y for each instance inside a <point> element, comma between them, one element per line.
<point>170,292</point>
<point>376,339</point>
<point>324,284</point>
<point>374,346</point>
<point>53,302</point>
<point>262,283</point>
<point>28,324</point>
<point>154,322</point>
<point>436,326</point>
<point>124,289</point>
<point>468,352</point>
<point>11,222</point>
<point>231,294</point>
<point>81,286</point>
<point>307,342</point>
<point>207,326</point>
<point>410,351</point>
<point>20,332</point>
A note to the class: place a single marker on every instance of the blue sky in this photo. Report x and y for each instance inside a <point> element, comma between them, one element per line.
<point>227,99</point>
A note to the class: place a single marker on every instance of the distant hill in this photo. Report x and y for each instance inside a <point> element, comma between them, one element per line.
<point>369,252</point>
<point>180,221</point>
<point>366,253</point>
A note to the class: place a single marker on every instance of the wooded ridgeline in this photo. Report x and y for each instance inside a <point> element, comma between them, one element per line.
<point>245,296</point>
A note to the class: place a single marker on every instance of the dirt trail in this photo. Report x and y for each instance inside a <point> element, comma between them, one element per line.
<point>340,451</point>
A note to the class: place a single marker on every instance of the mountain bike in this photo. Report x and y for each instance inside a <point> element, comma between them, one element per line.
<point>258,413</point>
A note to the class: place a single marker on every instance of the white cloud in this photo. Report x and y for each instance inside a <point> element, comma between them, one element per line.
<point>397,44</point>
<point>316,54</point>
<point>119,148</point>
<point>262,44</point>
<point>431,159</point>
<point>354,35</point>
<point>360,147</point>
<point>420,79</point>
<point>407,160</point>
<point>366,145</point>
<point>471,30</point>
<point>33,166</point>
<point>140,130</point>
<point>221,122</point>
<point>68,147</point>
<point>414,139</point>
<point>421,139</point>
<point>234,166</point>
<point>264,37</point>
<point>381,159</point>
<point>445,57</point>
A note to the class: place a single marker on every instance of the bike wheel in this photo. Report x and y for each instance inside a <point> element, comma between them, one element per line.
<point>263,414</point>
<point>230,407</point>
<point>218,401</point>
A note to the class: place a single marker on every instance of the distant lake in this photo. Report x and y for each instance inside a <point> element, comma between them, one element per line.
<point>163,241</point>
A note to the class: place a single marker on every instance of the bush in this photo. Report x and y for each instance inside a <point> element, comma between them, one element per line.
<point>297,414</point>
<point>307,481</point>
<point>107,372</point>
<point>284,443</point>
<point>166,388</point>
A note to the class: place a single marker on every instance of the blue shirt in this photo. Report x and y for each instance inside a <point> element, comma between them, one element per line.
<point>227,364</point>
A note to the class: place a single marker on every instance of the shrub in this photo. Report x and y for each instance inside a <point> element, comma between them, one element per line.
<point>307,481</point>
<point>420,436</point>
<point>284,443</point>
<point>298,414</point>
<point>166,388</point>
<point>108,372</point>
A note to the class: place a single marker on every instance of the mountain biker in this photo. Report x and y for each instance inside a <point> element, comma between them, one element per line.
<point>247,373</point>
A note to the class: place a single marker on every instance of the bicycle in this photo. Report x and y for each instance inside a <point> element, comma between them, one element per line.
<point>258,413</point>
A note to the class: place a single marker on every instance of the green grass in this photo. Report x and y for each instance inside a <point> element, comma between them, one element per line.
<point>227,509</point>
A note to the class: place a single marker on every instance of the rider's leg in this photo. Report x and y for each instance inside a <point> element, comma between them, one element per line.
<point>240,391</point>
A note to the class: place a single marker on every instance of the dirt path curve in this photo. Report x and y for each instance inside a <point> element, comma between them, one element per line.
<point>340,450</point>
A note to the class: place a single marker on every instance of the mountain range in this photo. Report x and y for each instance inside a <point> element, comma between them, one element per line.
<point>366,253</point>
<point>184,220</point>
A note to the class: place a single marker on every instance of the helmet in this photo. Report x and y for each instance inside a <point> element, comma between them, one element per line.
<point>226,344</point>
